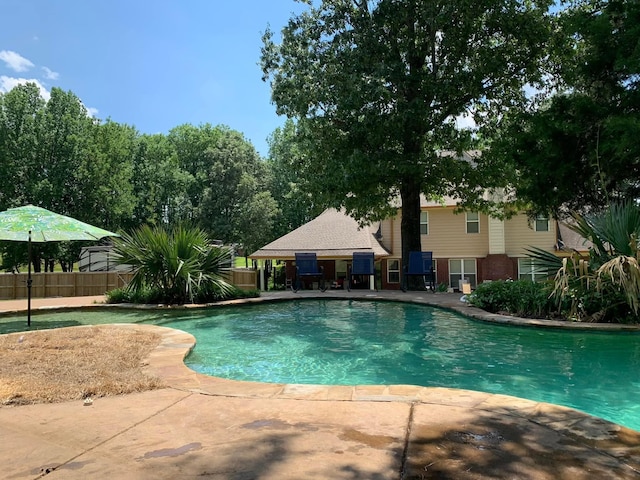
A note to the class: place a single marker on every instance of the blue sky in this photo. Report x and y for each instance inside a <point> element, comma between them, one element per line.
<point>154,65</point>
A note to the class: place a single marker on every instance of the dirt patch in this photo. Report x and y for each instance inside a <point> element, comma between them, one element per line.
<point>373,441</point>
<point>47,366</point>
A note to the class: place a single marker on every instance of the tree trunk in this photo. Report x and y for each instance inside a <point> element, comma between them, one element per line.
<point>410,227</point>
<point>36,263</point>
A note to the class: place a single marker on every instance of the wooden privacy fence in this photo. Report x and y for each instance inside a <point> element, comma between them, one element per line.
<point>244,278</point>
<point>79,284</point>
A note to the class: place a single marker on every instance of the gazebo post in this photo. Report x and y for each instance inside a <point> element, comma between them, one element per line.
<point>261,273</point>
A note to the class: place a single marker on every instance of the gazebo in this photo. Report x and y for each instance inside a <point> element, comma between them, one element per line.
<point>333,236</point>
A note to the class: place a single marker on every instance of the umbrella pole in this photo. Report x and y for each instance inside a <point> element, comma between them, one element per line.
<point>29,281</point>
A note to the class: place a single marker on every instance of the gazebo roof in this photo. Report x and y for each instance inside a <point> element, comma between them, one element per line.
<point>331,235</point>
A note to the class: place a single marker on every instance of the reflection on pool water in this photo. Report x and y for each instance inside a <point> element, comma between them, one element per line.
<point>345,342</point>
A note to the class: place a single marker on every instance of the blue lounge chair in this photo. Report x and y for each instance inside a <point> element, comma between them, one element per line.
<point>420,264</point>
<point>307,266</point>
<point>363,264</point>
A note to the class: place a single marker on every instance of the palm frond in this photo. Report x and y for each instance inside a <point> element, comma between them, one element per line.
<point>624,272</point>
<point>544,260</point>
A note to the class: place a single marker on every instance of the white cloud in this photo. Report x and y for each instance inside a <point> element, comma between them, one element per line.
<point>50,74</point>
<point>15,61</point>
<point>92,112</point>
<point>7,83</point>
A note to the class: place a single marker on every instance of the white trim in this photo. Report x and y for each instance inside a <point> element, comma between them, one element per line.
<point>540,218</point>
<point>462,273</point>
<point>477,222</point>
<point>425,223</point>
<point>389,270</point>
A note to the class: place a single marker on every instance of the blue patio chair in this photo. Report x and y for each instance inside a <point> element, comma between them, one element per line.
<point>363,263</point>
<point>420,264</point>
<point>307,266</point>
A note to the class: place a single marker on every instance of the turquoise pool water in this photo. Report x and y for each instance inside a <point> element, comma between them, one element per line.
<point>366,342</point>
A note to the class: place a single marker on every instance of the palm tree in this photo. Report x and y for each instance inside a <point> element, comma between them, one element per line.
<point>180,265</point>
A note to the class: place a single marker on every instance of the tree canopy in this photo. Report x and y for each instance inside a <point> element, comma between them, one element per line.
<point>581,149</point>
<point>376,87</point>
<point>54,155</point>
<point>296,206</point>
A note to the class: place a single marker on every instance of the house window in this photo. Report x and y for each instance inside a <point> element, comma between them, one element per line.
<point>462,268</point>
<point>473,222</point>
<point>529,270</point>
<point>393,270</point>
<point>424,223</point>
<point>541,224</point>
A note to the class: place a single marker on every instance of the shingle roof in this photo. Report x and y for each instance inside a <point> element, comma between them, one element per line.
<point>333,234</point>
<point>572,240</point>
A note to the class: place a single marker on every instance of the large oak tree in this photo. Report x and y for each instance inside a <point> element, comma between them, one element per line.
<point>376,86</point>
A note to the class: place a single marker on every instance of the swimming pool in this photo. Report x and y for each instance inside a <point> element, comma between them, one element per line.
<point>352,342</point>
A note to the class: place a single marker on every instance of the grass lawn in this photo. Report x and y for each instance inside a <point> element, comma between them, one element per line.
<point>239,262</point>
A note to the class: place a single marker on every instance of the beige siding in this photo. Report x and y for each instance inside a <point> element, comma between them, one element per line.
<point>391,239</point>
<point>448,235</point>
<point>520,235</point>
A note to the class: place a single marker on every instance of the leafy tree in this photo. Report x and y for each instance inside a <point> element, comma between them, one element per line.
<point>20,112</point>
<point>256,215</point>
<point>20,109</point>
<point>63,146</point>
<point>45,146</point>
<point>106,174</point>
<point>233,174</point>
<point>191,145</point>
<point>581,150</point>
<point>160,185</point>
<point>64,134</point>
<point>285,156</point>
<point>376,86</point>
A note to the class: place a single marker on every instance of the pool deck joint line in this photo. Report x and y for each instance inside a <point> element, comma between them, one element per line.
<point>208,426</point>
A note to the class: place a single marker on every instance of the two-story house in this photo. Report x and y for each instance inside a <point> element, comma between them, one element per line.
<point>469,245</point>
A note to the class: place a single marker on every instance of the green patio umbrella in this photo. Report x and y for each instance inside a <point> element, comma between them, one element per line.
<point>35,224</point>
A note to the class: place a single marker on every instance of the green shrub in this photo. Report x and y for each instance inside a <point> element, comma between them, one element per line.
<point>148,296</point>
<point>213,294</point>
<point>117,295</point>
<point>584,304</point>
<point>523,298</point>
<point>142,295</point>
